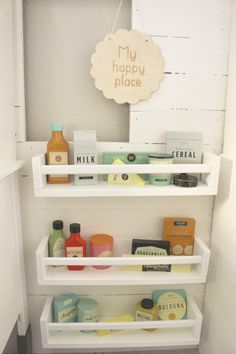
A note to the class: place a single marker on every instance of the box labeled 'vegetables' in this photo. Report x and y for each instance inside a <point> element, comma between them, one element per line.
<point>144,247</point>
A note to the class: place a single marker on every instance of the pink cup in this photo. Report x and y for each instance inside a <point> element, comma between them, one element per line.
<point>101,245</point>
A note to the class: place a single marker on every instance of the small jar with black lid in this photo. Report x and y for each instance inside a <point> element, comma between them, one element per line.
<point>160,179</point>
<point>185,180</point>
<point>146,310</point>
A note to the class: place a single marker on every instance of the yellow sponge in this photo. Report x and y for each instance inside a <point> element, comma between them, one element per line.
<point>122,318</point>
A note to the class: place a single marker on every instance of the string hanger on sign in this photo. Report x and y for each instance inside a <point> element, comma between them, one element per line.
<point>138,9</point>
<point>117,16</point>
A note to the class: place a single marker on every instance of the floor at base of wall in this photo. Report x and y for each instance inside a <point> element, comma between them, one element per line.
<point>23,345</point>
<point>179,351</point>
<point>19,344</point>
<point>11,347</point>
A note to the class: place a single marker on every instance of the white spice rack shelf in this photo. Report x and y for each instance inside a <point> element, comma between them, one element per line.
<point>170,333</point>
<point>7,169</point>
<point>207,185</point>
<point>49,275</point>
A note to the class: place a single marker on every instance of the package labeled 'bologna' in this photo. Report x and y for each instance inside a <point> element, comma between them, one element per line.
<point>171,304</point>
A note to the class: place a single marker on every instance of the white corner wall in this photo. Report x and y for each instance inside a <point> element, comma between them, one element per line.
<point>219,311</point>
<point>7,93</point>
<point>9,306</point>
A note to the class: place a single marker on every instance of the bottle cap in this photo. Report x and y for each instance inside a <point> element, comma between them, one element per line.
<point>74,228</point>
<point>57,225</point>
<point>57,127</point>
<point>147,303</point>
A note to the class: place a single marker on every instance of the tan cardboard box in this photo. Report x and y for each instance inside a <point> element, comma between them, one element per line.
<point>180,233</point>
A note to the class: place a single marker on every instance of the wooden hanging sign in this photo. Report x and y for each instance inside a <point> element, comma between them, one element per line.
<point>127,66</point>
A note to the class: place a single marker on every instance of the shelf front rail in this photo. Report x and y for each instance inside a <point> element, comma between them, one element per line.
<point>48,329</point>
<point>209,171</point>
<point>200,259</point>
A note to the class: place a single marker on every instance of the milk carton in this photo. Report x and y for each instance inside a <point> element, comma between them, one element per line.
<point>85,154</point>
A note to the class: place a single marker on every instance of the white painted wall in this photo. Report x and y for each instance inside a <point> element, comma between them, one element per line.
<point>8,279</point>
<point>7,131</point>
<point>219,312</point>
<point>60,37</point>
<point>193,36</point>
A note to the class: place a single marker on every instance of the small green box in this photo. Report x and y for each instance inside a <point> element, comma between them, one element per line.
<point>65,308</point>
<point>127,158</point>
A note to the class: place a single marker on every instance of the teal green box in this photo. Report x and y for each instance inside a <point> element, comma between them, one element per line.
<point>65,308</point>
<point>127,158</point>
<point>170,302</point>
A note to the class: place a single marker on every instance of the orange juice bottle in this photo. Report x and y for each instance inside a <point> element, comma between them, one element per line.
<point>57,153</point>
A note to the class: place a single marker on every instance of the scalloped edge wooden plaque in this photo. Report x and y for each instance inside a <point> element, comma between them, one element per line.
<point>127,66</point>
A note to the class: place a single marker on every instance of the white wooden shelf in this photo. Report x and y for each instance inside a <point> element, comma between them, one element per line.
<point>9,168</point>
<point>169,334</point>
<point>207,186</point>
<point>49,275</point>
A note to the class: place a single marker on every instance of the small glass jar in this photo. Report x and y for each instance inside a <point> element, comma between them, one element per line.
<point>101,245</point>
<point>88,312</point>
<point>160,179</point>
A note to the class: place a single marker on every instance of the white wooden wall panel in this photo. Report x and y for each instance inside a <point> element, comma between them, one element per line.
<point>188,91</point>
<point>13,306</point>
<point>151,127</point>
<point>8,304</point>
<point>9,285</point>
<point>193,37</point>
<point>19,83</point>
<point>188,55</point>
<point>7,131</point>
<point>184,18</point>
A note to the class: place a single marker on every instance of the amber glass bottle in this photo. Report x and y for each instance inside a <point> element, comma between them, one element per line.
<point>57,153</point>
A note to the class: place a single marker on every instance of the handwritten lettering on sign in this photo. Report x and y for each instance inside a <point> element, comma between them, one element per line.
<point>127,66</point>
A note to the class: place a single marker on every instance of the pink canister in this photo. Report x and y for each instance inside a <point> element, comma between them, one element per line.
<point>101,246</point>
